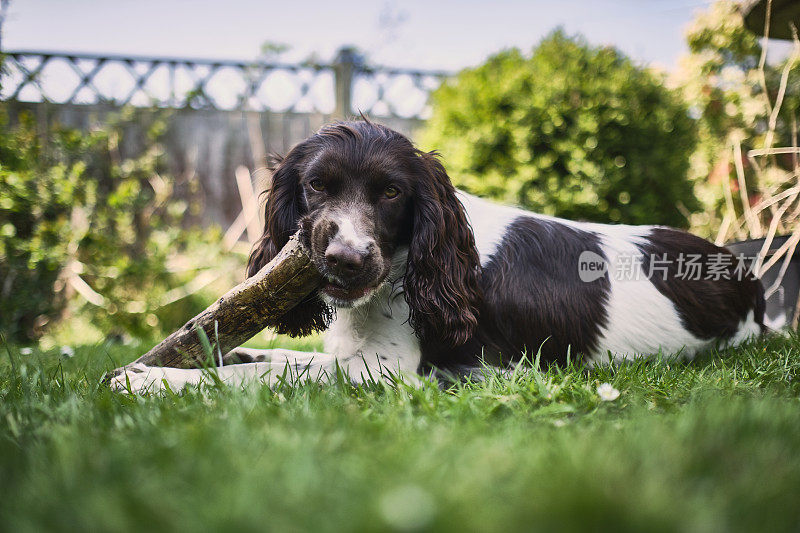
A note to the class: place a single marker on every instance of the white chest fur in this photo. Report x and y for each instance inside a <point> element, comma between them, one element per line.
<point>377,331</point>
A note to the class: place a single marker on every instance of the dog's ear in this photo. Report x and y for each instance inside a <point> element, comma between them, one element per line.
<point>282,210</point>
<point>441,283</point>
<point>282,213</point>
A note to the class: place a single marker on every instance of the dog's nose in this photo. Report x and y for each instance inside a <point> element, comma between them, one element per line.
<point>343,260</point>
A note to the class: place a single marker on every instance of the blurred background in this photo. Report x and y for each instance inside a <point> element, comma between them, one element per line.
<point>134,136</point>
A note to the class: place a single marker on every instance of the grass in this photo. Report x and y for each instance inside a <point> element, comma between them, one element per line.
<point>712,445</point>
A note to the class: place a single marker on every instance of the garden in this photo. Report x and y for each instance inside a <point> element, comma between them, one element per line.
<point>105,250</point>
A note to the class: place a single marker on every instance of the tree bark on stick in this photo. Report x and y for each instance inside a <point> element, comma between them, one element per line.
<point>243,311</point>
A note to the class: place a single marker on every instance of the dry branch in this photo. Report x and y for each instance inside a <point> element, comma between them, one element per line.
<point>243,311</point>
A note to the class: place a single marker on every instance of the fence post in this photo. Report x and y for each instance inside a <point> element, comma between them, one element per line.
<point>344,66</point>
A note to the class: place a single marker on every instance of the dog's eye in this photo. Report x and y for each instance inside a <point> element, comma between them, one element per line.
<point>317,185</point>
<point>391,192</point>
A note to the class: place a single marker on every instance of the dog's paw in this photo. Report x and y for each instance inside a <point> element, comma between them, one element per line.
<point>136,378</point>
<point>242,355</point>
<point>238,357</point>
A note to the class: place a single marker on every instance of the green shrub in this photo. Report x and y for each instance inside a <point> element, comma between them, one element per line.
<point>71,204</point>
<point>573,130</point>
<point>34,231</point>
<point>735,101</point>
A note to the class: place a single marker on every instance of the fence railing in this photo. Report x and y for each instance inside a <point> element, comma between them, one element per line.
<point>345,86</point>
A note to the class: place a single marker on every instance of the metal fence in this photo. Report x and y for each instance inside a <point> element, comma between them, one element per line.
<point>345,86</point>
<point>224,114</point>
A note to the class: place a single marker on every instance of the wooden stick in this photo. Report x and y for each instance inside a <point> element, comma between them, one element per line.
<point>243,311</point>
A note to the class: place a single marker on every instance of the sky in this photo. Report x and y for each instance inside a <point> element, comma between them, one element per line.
<point>430,34</point>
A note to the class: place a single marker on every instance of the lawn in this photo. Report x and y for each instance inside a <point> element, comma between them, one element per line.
<point>712,445</point>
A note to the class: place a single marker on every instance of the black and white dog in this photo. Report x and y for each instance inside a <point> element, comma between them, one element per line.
<point>421,277</point>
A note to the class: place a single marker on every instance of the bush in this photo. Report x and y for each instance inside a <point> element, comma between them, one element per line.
<point>573,131</point>
<point>34,232</point>
<point>71,205</point>
<point>740,107</point>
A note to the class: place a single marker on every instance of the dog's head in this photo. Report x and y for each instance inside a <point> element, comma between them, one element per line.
<point>361,192</point>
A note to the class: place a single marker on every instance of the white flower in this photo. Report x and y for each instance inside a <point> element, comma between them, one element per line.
<point>25,351</point>
<point>607,393</point>
<point>67,351</point>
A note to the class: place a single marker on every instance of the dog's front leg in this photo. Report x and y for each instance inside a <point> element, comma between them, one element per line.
<point>138,378</point>
<point>274,355</point>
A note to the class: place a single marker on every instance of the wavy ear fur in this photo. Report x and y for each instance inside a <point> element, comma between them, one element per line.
<point>441,283</point>
<point>283,211</point>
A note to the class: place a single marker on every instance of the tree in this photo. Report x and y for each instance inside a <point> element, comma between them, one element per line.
<point>571,130</point>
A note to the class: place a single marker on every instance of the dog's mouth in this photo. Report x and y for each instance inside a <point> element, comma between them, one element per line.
<point>351,291</point>
<point>346,294</point>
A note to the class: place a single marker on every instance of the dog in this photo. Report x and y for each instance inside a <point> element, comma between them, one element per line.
<point>421,279</point>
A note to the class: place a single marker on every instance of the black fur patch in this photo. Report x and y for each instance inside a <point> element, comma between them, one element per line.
<point>709,308</point>
<point>533,296</point>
